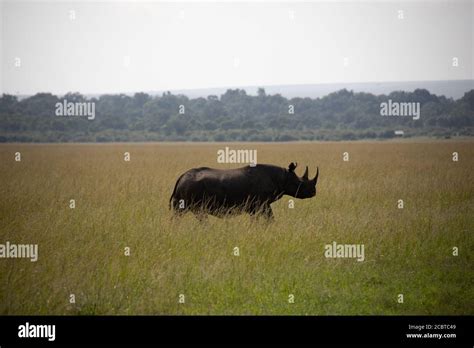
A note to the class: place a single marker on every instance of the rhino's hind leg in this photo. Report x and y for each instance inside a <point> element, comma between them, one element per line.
<point>200,215</point>
<point>177,214</point>
<point>178,208</point>
<point>199,207</point>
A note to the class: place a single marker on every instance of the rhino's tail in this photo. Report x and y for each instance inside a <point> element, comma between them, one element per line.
<point>174,191</point>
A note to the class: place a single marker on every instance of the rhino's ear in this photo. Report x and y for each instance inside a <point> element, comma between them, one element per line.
<point>292,167</point>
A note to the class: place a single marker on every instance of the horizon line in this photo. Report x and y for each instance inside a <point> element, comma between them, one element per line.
<point>159,91</point>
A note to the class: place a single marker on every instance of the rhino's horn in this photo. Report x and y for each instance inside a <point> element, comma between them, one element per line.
<point>316,177</point>
<point>305,175</point>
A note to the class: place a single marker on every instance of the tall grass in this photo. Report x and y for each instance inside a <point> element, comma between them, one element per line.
<point>125,204</point>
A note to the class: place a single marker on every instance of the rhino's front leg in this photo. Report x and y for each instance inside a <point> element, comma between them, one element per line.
<point>268,212</point>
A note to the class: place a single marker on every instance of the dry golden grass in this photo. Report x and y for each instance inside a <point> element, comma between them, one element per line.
<point>125,204</point>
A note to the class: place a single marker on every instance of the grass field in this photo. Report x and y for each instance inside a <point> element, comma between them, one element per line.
<point>122,204</point>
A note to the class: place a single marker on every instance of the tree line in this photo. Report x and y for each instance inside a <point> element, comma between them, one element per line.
<point>232,116</point>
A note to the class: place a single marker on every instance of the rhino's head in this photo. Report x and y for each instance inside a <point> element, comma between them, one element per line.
<point>300,187</point>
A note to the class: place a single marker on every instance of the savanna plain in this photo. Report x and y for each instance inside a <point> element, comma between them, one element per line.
<point>120,205</point>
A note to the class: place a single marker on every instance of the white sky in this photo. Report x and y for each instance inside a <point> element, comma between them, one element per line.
<point>113,47</point>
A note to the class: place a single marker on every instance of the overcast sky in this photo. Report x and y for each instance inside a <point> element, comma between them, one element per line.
<point>116,47</point>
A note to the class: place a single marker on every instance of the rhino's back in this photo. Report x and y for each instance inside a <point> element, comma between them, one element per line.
<point>226,186</point>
